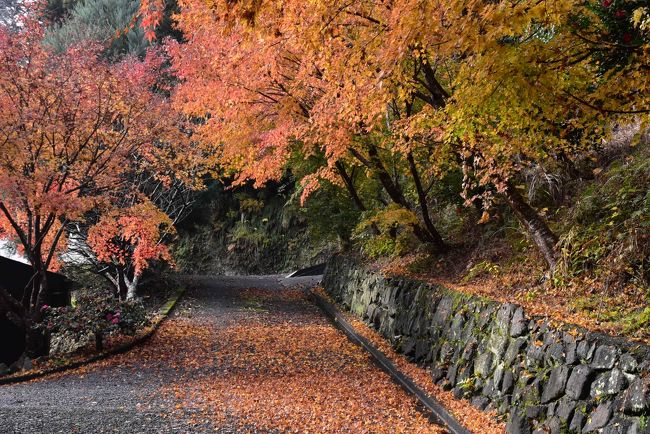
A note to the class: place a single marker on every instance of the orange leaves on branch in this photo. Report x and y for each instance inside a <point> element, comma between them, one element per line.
<point>74,129</point>
<point>151,15</point>
<point>131,236</point>
<point>488,80</point>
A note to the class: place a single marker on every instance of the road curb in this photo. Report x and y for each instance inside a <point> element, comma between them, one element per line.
<point>440,414</point>
<point>163,313</point>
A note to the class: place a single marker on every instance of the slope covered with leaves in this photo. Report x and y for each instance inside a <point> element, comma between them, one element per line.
<point>603,277</point>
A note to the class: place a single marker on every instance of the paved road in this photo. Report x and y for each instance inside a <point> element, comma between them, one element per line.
<point>239,354</point>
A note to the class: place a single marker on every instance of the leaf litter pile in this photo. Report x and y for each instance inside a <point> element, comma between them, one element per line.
<point>282,367</point>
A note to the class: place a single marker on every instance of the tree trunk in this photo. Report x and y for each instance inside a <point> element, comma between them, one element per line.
<point>352,191</point>
<point>539,231</point>
<point>132,288</point>
<point>392,188</point>
<point>122,285</point>
<point>37,296</point>
<point>438,242</point>
<point>34,298</point>
<point>349,185</point>
<point>397,196</point>
<point>99,340</point>
<point>36,340</point>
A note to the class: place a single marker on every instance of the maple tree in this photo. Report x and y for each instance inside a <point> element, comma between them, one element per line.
<point>73,128</point>
<point>260,69</point>
<point>120,244</point>
<point>128,240</point>
<point>413,89</point>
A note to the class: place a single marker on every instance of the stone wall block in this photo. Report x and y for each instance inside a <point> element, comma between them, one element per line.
<point>533,393</point>
<point>565,409</point>
<point>407,346</point>
<point>555,354</point>
<point>504,315</point>
<point>437,374</point>
<point>600,417</point>
<point>443,310</point>
<point>489,389</point>
<point>486,317</point>
<point>577,421</point>
<point>519,324</point>
<point>450,379</point>
<point>579,382</point>
<point>483,364</point>
<point>586,350</point>
<point>605,357</point>
<point>516,350</point>
<point>571,355</point>
<point>456,329</point>
<point>551,336</point>
<point>636,399</point>
<point>497,376</point>
<point>518,424</point>
<point>556,384</point>
<point>508,382</point>
<point>370,310</point>
<point>469,329</point>
<point>422,350</point>
<point>498,342</point>
<point>446,353</point>
<point>628,364</point>
<point>535,354</point>
<point>608,383</point>
<point>469,350</point>
<point>617,426</point>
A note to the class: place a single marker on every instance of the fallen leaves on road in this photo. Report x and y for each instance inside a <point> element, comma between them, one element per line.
<point>290,371</point>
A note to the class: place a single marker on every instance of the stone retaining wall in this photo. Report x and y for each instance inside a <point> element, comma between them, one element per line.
<point>545,377</point>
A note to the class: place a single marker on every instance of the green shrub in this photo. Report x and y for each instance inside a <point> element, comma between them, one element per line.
<point>607,233</point>
<point>395,238</point>
<point>98,314</point>
<point>100,21</point>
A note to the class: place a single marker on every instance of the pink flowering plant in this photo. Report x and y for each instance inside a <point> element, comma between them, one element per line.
<point>98,314</point>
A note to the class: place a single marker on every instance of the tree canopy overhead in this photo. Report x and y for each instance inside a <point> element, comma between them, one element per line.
<point>424,117</point>
<point>491,88</point>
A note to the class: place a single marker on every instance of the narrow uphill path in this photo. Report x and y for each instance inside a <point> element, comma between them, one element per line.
<point>245,354</point>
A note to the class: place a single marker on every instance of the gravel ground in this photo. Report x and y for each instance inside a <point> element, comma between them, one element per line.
<point>120,394</point>
<point>124,393</point>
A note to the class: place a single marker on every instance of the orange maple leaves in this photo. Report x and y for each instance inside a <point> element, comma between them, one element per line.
<point>131,236</point>
<point>74,130</point>
<point>151,15</point>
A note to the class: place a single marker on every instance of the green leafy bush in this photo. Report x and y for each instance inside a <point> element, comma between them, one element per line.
<point>608,230</point>
<point>97,314</point>
<point>104,21</point>
<point>395,238</point>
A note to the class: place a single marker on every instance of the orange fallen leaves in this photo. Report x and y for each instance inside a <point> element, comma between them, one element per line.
<point>522,286</point>
<point>291,371</point>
